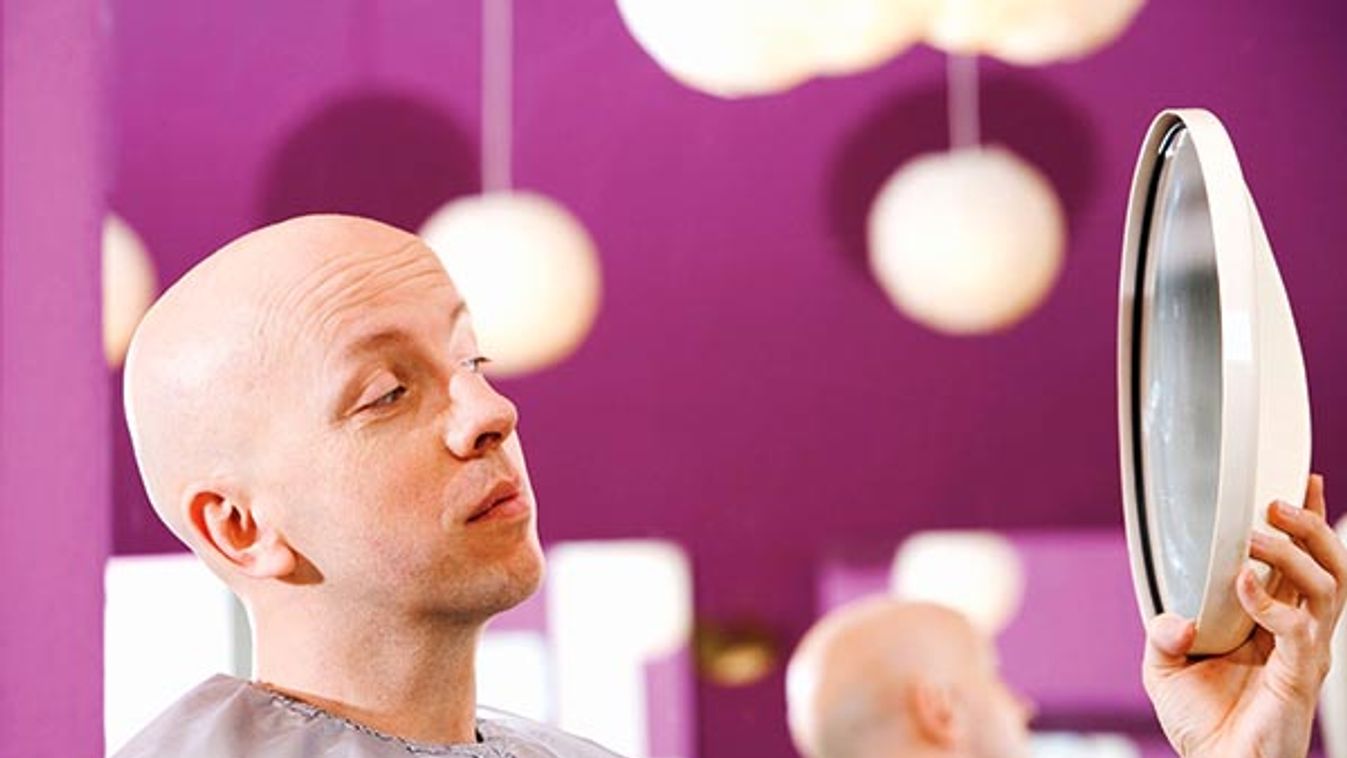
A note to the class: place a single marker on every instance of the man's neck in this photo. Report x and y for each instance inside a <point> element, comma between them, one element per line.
<point>411,680</point>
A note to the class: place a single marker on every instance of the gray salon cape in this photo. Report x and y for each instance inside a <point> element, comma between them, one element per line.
<point>225,717</point>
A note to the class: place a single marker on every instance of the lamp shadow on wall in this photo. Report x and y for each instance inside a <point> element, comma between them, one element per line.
<point>1018,111</point>
<point>387,156</point>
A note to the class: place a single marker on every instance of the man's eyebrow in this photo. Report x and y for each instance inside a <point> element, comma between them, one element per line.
<point>391,335</point>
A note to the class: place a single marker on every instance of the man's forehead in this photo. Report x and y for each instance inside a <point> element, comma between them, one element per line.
<point>403,326</point>
<point>346,296</point>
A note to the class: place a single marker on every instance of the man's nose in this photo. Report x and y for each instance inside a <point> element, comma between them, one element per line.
<point>480,418</point>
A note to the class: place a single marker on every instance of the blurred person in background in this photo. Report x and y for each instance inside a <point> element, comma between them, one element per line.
<point>882,677</point>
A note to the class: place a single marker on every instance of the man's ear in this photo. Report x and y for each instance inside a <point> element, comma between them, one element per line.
<point>228,528</point>
<point>933,713</point>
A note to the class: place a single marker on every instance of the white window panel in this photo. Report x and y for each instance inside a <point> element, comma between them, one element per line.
<point>169,624</point>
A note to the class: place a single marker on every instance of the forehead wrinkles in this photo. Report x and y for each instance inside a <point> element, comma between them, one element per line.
<point>315,308</point>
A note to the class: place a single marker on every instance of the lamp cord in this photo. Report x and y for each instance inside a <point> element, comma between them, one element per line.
<point>964,121</point>
<point>497,34</point>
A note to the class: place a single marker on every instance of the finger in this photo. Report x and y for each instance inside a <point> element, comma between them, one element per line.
<point>1287,623</point>
<point>1310,579</point>
<point>1169,637</point>
<point>1320,541</point>
<point>1314,496</point>
<point>1282,589</point>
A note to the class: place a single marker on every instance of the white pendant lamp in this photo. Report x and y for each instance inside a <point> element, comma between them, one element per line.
<point>728,48</point>
<point>851,36</point>
<point>736,48</point>
<point>1030,32</point>
<point>528,271</point>
<point>1213,409</point>
<point>967,241</point>
<point>129,286</point>
<point>526,267</point>
<point>976,573</point>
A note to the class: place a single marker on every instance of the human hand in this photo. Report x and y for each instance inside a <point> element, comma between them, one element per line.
<point>1258,700</point>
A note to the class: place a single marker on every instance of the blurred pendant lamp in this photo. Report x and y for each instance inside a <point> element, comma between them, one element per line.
<point>526,267</point>
<point>129,286</point>
<point>1213,408</point>
<point>1029,32</point>
<point>977,573</point>
<point>735,48</point>
<point>971,240</point>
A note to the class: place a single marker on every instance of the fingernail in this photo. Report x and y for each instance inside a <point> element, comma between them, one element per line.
<point>1284,508</point>
<point>1258,538</point>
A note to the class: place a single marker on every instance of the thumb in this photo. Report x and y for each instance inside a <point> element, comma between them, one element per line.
<point>1169,637</point>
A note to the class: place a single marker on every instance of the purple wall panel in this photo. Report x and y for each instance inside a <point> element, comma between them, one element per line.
<point>54,462</point>
<point>747,390</point>
<point>1076,644</point>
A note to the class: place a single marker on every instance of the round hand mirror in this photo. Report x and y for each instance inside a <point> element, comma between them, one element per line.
<point>1213,411</point>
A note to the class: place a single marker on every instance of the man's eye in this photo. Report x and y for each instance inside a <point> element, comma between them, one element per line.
<point>475,363</point>
<point>389,397</point>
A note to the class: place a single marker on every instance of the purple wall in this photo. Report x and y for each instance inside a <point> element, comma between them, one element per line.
<point>747,390</point>
<point>54,432</point>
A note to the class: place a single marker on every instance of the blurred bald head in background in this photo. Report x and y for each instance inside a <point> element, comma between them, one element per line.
<point>882,678</point>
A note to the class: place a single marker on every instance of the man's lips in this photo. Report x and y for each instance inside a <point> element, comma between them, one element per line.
<point>504,499</point>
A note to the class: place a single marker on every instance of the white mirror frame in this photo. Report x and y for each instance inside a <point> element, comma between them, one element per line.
<point>1265,420</point>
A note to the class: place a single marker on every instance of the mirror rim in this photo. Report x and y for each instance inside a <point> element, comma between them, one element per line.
<point>1220,620</point>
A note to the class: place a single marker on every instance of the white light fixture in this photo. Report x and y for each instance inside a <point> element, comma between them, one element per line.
<point>1213,409</point>
<point>129,286</point>
<point>850,36</point>
<point>1333,699</point>
<point>614,607</point>
<point>974,572</point>
<point>728,48</point>
<point>526,267</point>
<point>528,271</point>
<point>168,623</point>
<point>733,48</point>
<point>968,241</point>
<point>1030,32</point>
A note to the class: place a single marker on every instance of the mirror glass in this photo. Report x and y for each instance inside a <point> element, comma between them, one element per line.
<point>1180,375</point>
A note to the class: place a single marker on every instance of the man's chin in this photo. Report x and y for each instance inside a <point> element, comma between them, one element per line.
<point>522,577</point>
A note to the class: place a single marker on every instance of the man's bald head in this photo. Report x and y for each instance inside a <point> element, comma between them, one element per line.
<point>307,410</point>
<point>196,371</point>
<point>872,677</point>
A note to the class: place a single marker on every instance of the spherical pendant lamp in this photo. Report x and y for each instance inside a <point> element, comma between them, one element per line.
<point>976,573</point>
<point>728,48</point>
<point>851,36</point>
<point>966,241</point>
<point>129,286</point>
<point>735,48</point>
<point>528,271</point>
<point>1030,32</point>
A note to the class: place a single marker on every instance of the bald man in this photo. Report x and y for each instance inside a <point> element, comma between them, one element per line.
<point>309,416</point>
<point>883,678</point>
